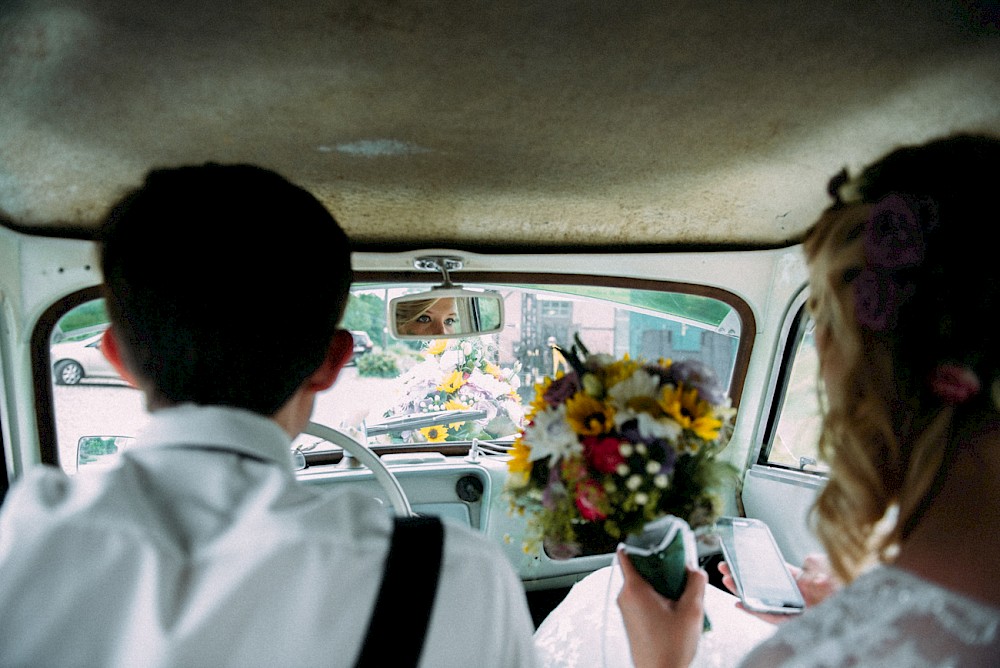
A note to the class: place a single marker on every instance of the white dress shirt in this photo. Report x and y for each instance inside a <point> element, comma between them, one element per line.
<point>201,549</point>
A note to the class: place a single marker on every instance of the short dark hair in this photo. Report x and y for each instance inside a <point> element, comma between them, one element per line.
<point>224,283</point>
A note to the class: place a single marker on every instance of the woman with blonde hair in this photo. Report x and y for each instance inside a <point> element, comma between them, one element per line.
<point>427,316</point>
<point>902,290</point>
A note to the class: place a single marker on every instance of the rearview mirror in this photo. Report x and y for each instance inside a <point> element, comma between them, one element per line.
<point>100,451</point>
<point>445,313</point>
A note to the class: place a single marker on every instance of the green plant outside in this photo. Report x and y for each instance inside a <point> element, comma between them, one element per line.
<point>378,365</point>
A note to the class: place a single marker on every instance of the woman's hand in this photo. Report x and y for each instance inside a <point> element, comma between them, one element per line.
<point>661,633</point>
<point>815,579</point>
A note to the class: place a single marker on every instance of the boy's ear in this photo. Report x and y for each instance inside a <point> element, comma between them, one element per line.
<point>338,353</point>
<point>112,352</point>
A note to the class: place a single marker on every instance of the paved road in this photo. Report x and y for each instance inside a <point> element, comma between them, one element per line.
<point>94,409</point>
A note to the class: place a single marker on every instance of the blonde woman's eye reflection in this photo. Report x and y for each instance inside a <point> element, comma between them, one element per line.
<point>430,316</point>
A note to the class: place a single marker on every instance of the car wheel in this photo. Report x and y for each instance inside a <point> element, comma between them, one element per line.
<point>68,372</point>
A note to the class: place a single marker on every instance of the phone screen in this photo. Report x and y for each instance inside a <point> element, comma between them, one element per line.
<point>763,580</point>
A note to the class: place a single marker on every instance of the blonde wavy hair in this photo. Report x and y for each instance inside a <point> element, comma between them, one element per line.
<point>886,435</point>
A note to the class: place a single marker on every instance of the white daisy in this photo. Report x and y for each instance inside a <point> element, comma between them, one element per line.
<point>551,436</point>
<point>665,428</point>
<point>639,384</point>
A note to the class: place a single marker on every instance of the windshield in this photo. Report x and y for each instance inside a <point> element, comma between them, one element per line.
<point>456,390</point>
<point>432,394</point>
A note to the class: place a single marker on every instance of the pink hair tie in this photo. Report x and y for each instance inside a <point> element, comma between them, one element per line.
<point>954,384</point>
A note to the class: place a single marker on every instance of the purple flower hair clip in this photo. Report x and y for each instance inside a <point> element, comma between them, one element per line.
<point>894,240</point>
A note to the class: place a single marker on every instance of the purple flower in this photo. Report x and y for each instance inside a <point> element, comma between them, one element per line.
<point>661,451</point>
<point>562,389</point>
<point>893,242</point>
<point>554,491</point>
<point>700,376</point>
<point>894,232</point>
<point>559,550</point>
<point>876,300</point>
<point>630,431</point>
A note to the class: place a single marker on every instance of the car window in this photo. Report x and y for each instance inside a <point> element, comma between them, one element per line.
<point>96,411</point>
<point>795,425</point>
<point>415,394</point>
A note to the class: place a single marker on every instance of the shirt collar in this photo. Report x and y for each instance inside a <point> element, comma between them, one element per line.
<point>235,429</point>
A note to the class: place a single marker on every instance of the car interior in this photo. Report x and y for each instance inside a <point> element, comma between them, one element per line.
<point>636,176</point>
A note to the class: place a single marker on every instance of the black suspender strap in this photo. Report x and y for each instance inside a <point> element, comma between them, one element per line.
<point>402,613</point>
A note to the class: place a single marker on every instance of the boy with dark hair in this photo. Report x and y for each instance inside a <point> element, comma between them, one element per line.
<point>225,286</point>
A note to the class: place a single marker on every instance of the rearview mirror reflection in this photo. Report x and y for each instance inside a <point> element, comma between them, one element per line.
<point>446,313</point>
<point>100,451</point>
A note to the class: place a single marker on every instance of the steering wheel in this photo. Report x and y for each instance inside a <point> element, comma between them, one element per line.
<point>364,454</point>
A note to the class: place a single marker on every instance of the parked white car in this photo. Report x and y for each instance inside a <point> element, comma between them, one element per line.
<point>72,361</point>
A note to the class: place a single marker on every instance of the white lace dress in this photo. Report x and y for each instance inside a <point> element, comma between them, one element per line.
<point>887,617</point>
<point>586,629</point>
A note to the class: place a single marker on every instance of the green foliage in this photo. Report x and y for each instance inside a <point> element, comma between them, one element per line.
<point>88,314</point>
<point>365,312</point>
<point>378,365</point>
<point>405,355</point>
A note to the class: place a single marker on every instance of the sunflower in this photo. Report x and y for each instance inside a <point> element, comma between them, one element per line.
<point>538,403</point>
<point>435,434</point>
<point>690,412</point>
<point>588,416</point>
<point>707,426</point>
<point>455,405</point>
<point>451,384</point>
<point>519,465</point>
<point>671,401</point>
<point>618,371</point>
<point>437,347</point>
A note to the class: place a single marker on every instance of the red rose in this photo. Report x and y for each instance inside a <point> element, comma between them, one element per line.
<point>591,501</point>
<point>602,453</point>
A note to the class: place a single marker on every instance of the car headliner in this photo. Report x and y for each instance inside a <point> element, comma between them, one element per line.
<point>465,124</point>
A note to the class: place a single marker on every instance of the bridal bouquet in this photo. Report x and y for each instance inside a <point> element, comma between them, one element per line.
<point>460,374</point>
<point>615,444</point>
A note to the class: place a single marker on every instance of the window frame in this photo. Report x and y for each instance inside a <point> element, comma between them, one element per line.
<point>793,332</point>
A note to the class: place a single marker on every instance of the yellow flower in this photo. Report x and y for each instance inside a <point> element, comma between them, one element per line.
<point>684,407</point>
<point>493,370</point>
<point>519,465</point>
<point>671,401</point>
<point>435,434</point>
<point>455,405</point>
<point>538,403</point>
<point>451,384</point>
<point>707,426</point>
<point>437,347</point>
<point>618,371</point>
<point>588,416</point>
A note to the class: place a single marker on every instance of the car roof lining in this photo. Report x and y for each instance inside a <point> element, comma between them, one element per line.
<point>523,124</point>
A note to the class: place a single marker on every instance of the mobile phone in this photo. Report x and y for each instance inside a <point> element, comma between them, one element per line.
<point>763,581</point>
<point>661,555</point>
